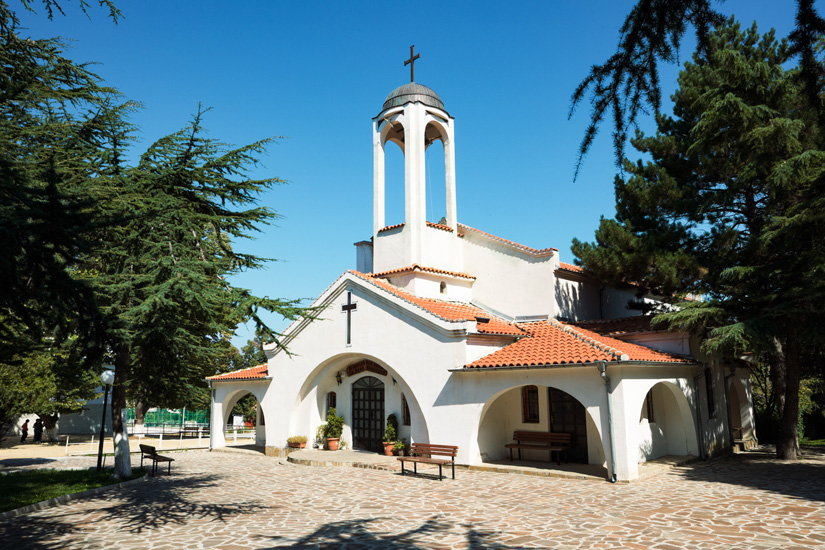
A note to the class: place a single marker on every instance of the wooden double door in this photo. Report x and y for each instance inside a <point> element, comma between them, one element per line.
<point>368,414</point>
<point>568,415</point>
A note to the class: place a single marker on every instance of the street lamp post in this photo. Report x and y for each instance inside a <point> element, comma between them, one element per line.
<point>106,378</point>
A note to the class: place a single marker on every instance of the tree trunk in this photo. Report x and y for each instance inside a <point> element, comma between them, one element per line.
<point>49,425</point>
<point>123,460</point>
<point>787,445</point>
<point>141,408</point>
<point>777,375</point>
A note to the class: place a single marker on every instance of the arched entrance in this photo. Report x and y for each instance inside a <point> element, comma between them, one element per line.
<point>368,413</point>
<point>243,420</point>
<point>539,409</point>
<point>666,424</point>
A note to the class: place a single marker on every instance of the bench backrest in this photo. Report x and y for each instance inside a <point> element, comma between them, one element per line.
<point>420,449</point>
<point>147,450</point>
<point>543,437</point>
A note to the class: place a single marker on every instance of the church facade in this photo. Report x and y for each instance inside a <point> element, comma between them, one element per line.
<point>467,337</point>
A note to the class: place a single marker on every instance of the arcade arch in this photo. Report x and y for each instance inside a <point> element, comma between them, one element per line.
<point>558,411</point>
<point>666,425</point>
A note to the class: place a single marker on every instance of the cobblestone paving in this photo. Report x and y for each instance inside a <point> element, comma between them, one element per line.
<point>241,501</point>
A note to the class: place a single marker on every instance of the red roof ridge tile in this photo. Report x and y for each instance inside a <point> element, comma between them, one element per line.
<point>415,267</point>
<point>387,228</point>
<point>534,251</point>
<point>570,267</point>
<point>258,371</point>
<point>589,340</point>
<point>440,226</point>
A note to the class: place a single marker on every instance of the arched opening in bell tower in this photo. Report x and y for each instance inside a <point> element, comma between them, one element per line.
<point>435,175</point>
<point>393,184</point>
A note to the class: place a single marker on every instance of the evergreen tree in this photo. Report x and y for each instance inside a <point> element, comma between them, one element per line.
<point>161,278</point>
<point>627,84</point>
<point>728,208</point>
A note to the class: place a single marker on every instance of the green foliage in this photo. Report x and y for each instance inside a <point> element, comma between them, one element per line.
<point>391,430</point>
<point>29,487</point>
<point>729,208</point>
<point>627,84</point>
<point>335,424</point>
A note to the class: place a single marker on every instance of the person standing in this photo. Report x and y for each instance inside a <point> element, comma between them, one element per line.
<point>38,430</point>
<point>24,431</point>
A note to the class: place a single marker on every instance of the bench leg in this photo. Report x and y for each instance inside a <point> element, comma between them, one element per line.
<point>511,454</point>
<point>453,465</point>
<point>402,468</point>
<point>440,476</point>
<point>415,468</point>
<point>169,471</point>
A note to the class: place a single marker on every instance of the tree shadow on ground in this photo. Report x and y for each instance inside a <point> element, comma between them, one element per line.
<point>361,534</point>
<point>20,462</point>
<point>803,479</point>
<point>148,506</point>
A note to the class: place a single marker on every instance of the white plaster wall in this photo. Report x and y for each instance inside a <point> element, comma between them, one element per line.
<point>671,342</point>
<point>392,249</point>
<point>509,281</point>
<point>614,304</point>
<point>577,300</point>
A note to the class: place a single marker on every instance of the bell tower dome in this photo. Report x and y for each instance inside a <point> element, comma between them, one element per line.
<point>413,117</point>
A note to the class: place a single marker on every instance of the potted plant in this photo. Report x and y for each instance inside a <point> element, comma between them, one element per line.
<point>400,448</point>
<point>390,433</point>
<point>333,429</point>
<point>319,437</point>
<point>297,441</point>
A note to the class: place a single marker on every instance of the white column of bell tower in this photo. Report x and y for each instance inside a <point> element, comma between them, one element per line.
<point>415,186</point>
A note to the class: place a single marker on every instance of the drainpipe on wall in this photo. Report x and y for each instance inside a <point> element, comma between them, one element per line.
<point>609,392</point>
<point>726,384</point>
<point>211,404</point>
<point>699,432</point>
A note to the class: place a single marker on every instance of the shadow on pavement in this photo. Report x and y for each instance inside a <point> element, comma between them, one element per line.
<point>149,506</point>
<point>19,462</point>
<point>804,479</point>
<point>359,534</point>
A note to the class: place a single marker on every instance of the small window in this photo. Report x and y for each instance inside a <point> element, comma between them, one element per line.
<point>405,414</point>
<point>443,287</point>
<point>711,398</point>
<point>331,401</point>
<point>530,404</point>
<point>651,418</point>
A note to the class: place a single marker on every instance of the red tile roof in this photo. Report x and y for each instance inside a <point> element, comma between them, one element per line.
<point>449,311</point>
<point>245,374</point>
<point>416,267</point>
<point>570,267</point>
<point>554,343</point>
<point>543,252</point>
<point>624,325</point>
<point>396,226</point>
<point>440,226</point>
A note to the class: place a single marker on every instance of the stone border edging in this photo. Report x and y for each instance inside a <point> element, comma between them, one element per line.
<point>62,499</point>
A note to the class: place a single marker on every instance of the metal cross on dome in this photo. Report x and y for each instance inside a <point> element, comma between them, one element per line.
<point>411,62</point>
<point>348,308</point>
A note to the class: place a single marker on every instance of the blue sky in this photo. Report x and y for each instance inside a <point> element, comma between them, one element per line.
<point>317,72</point>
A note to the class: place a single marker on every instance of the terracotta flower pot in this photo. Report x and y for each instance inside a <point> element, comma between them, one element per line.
<point>388,447</point>
<point>332,443</point>
<point>297,445</point>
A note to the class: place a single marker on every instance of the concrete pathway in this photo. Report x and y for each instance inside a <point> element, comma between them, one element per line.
<point>240,500</point>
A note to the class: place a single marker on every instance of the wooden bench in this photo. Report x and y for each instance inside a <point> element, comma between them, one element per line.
<point>542,441</point>
<point>423,453</point>
<point>150,452</point>
<point>194,431</point>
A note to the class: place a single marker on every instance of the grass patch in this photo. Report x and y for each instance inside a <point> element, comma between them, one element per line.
<point>28,487</point>
<point>812,442</point>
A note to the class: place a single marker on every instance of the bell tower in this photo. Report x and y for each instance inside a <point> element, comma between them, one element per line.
<point>413,117</point>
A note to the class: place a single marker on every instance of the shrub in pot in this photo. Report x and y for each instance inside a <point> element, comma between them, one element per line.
<point>390,433</point>
<point>333,429</point>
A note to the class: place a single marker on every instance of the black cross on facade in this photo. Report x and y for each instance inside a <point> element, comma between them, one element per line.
<point>411,63</point>
<point>348,308</point>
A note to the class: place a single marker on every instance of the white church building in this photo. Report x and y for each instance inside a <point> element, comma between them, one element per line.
<point>467,337</point>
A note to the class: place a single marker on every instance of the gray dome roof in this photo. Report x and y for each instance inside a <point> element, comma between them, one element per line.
<point>413,92</point>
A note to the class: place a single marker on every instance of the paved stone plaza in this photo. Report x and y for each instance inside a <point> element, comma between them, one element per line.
<point>238,501</point>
